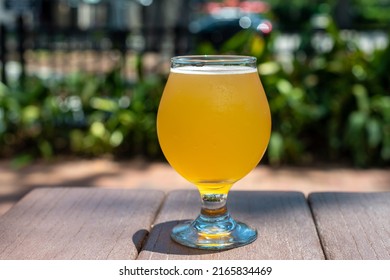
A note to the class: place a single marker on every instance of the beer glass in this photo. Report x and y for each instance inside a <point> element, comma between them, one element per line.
<point>213,127</point>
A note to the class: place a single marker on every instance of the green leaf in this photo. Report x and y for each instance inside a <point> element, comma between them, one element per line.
<point>257,46</point>
<point>127,118</point>
<point>3,90</point>
<point>275,148</point>
<point>284,86</point>
<point>357,121</point>
<point>237,42</point>
<point>21,160</point>
<point>46,149</point>
<point>374,132</point>
<point>104,104</point>
<point>98,129</point>
<point>116,138</point>
<point>77,140</point>
<point>30,114</point>
<point>268,68</point>
<point>362,99</point>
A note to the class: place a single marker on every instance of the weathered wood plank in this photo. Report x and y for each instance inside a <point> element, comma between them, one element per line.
<point>353,225</point>
<point>78,223</point>
<point>283,219</point>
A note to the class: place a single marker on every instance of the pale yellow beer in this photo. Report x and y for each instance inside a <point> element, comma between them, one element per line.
<point>213,125</point>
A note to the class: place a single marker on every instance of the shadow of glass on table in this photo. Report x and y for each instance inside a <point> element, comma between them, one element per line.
<point>160,242</point>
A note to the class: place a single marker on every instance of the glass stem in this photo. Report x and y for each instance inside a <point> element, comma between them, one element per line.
<point>213,204</point>
<point>214,218</point>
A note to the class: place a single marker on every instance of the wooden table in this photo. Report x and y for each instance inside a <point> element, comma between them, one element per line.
<point>93,223</point>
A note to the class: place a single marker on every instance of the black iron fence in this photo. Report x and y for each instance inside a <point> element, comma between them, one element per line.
<point>72,49</point>
<point>68,35</point>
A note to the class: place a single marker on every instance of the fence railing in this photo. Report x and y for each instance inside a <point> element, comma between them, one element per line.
<point>70,49</point>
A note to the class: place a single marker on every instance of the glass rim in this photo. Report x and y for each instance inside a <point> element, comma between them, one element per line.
<point>204,60</point>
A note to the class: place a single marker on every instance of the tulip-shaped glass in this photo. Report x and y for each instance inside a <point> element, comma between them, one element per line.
<point>213,126</point>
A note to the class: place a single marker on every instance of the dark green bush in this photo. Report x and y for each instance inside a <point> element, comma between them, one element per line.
<point>332,106</point>
<point>328,105</point>
<point>82,114</point>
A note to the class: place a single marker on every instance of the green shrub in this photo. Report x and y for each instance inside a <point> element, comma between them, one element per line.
<point>329,105</point>
<point>83,114</point>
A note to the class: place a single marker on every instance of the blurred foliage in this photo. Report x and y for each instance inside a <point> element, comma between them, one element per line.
<point>330,101</point>
<point>373,13</point>
<point>333,106</point>
<point>81,114</point>
<point>357,14</point>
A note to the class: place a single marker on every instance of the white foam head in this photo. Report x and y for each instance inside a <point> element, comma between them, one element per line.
<point>214,70</point>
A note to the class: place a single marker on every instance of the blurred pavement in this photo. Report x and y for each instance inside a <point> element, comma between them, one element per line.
<point>138,173</point>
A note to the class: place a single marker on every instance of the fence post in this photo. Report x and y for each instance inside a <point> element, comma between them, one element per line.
<point>3,54</point>
<point>21,47</point>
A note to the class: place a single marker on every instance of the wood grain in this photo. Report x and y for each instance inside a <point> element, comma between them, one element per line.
<point>353,225</point>
<point>283,219</point>
<point>78,223</point>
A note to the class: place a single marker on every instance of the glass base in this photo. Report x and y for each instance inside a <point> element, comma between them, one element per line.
<point>213,233</point>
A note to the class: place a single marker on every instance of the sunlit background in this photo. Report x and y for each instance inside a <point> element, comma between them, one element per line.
<point>84,77</point>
